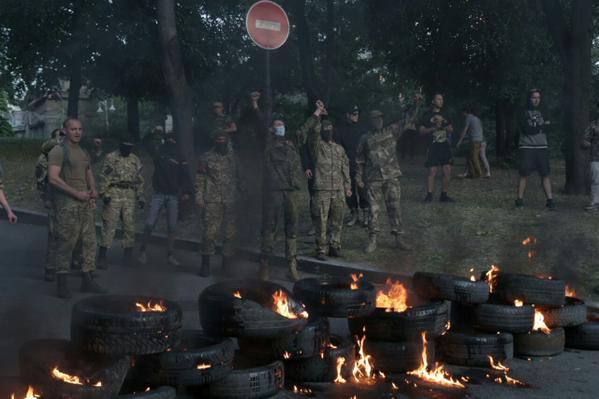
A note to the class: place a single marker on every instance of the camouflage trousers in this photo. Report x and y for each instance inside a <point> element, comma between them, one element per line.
<point>218,220</point>
<point>74,224</point>
<point>275,203</point>
<point>389,193</point>
<point>329,207</point>
<point>51,247</point>
<point>120,208</point>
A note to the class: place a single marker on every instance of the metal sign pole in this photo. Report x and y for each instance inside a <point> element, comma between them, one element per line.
<point>268,91</point>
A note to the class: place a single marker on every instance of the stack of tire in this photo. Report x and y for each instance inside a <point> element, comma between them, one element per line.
<point>106,331</point>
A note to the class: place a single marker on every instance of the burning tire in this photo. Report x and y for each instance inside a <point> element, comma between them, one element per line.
<point>504,318</point>
<point>450,287</point>
<point>584,336</point>
<point>334,297</point>
<point>397,357</point>
<point>158,393</point>
<point>307,343</point>
<point>62,371</point>
<point>322,368</point>
<point>126,325</point>
<point>250,383</point>
<point>537,343</point>
<point>530,289</point>
<point>471,349</point>
<point>247,310</point>
<point>197,360</point>
<point>573,313</point>
<point>403,326</point>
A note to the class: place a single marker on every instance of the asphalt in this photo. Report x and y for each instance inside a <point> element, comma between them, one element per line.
<point>29,310</point>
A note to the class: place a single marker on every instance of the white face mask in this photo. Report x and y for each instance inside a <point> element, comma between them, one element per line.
<point>280,131</point>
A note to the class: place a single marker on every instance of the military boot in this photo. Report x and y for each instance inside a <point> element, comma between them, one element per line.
<point>102,263</point>
<point>371,247</point>
<point>400,243</point>
<point>264,268</point>
<point>365,217</point>
<point>205,268</point>
<point>293,274</point>
<point>88,284</point>
<point>354,217</point>
<point>128,257</point>
<point>62,286</point>
<point>49,275</point>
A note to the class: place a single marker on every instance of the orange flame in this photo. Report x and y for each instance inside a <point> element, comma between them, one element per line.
<point>72,379</point>
<point>518,303</point>
<point>498,366</point>
<point>355,279</point>
<point>472,276</point>
<point>332,346</point>
<point>393,298</point>
<point>157,307</point>
<point>302,391</point>
<point>492,277</point>
<point>438,375</point>
<point>203,366</point>
<point>281,306</point>
<point>447,327</point>
<point>363,371</point>
<point>529,240</point>
<point>532,254</point>
<point>570,292</point>
<point>286,355</point>
<point>29,395</point>
<point>339,379</point>
<point>237,294</point>
<point>540,323</point>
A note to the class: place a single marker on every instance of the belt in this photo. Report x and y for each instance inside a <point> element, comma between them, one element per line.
<point>122,185</point>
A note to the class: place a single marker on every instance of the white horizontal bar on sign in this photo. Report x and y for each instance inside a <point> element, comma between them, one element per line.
<point>268,25</point>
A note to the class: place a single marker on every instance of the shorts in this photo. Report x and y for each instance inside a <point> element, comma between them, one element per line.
<point>531,159</point>
<point>438,155</point>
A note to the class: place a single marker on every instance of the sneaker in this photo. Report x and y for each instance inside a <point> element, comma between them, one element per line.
<point>446,198</point>
<point>592,207</point>
<point>172,260</point>
<point>429,197</point>
<point>550,205</point>
<point>142,258</point>
<point>519,203</point>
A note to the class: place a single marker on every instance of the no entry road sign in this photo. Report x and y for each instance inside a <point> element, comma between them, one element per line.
<point>267,24</point>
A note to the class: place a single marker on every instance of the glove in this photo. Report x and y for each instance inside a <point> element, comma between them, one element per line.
<point>141,204</point>
<point>106,200</point>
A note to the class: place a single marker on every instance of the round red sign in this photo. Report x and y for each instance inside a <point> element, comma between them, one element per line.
<point>267,24</point>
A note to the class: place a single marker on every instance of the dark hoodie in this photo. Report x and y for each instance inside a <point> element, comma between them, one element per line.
<point>532,128</point>
<point>171,174</point>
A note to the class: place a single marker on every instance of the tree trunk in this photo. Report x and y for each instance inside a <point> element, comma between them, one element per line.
<point>74,86</point>
<point>176,81</point>
<point>574,46</point>
<point>133,117</point>
<point>500,128</point>
<point>331,73</point>
<point>305,52</point>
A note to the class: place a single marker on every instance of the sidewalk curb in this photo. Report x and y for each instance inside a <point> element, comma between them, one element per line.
<point>308,264</point>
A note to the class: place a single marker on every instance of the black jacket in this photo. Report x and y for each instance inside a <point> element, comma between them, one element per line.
<point>171,173</point>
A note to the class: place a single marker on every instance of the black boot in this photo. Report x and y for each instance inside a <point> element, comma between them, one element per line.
<point>128,257</point>
<point>205,269</point>
<point>102,264</point>
<point>62,286</point>
<point>88,284</point>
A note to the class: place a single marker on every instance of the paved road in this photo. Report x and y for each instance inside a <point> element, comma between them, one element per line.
<point>29,310</point>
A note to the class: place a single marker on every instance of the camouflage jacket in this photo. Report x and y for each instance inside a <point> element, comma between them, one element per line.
<point>282,166</point>
<point>120,172</point>
<point>331,165</point>
<point>217,178</point>
<point>591,140</point>
<point>376,156</point>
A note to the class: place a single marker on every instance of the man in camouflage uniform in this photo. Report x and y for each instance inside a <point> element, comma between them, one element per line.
<point>331,182</point>
<point>283,180</point>
<point>217,182</point>
<point>72,180</point>
<point>377,169</point>
<point>12,219</point>
<point>221,122</point>
<point>590,142</point>
<point>122,189</point>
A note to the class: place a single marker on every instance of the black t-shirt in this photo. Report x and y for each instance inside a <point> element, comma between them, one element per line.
<point>438,120</point>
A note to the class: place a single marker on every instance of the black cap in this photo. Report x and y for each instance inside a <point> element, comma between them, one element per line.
<point>353,109</point>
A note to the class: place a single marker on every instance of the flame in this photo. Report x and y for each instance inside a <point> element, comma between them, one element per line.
<point>472,276</point>
<point>355,279</point>
<point>532,254</point>
<point>540,323</point>
<point>281,306</point>
<point>393,298</point>
<point>501,367</point>
<point>339,379</point>
<point>529,240</point>
<point>72,379</point>
<point>286,355</point>
<point>158,307</point>
<point>363,371</point>
<point>492,277</point>
<point>518,303</point>
<point>570,292</point>
<point>203,366</point>
<point>29,395</point>
<point>332,346</point>
<point>302,391</point>
<point>447,327</point>
<point>437,375</point>
<point>237,294</point>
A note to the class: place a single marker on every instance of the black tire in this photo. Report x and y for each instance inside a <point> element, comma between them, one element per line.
<point>250,383</point>
<point>584,336</point>
<point>461,317</point>
<point>403,326</point>
<point>158,393</point>
<point>322,368</point>
<point>504,318</point>
<point>111,325</point>
<point>398,357</point>
<point>540,344</point>
<point>530,289</point>
<point>38,358</point>
<point>450,287</point>
<point>332,297</point>
<point>472,349</point>
<point>573,313</point>
<point>306,343</point>
<point>221,314</point>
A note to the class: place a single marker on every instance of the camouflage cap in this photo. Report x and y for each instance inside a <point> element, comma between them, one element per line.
<point>375,113</point>
<point>326,124</point>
